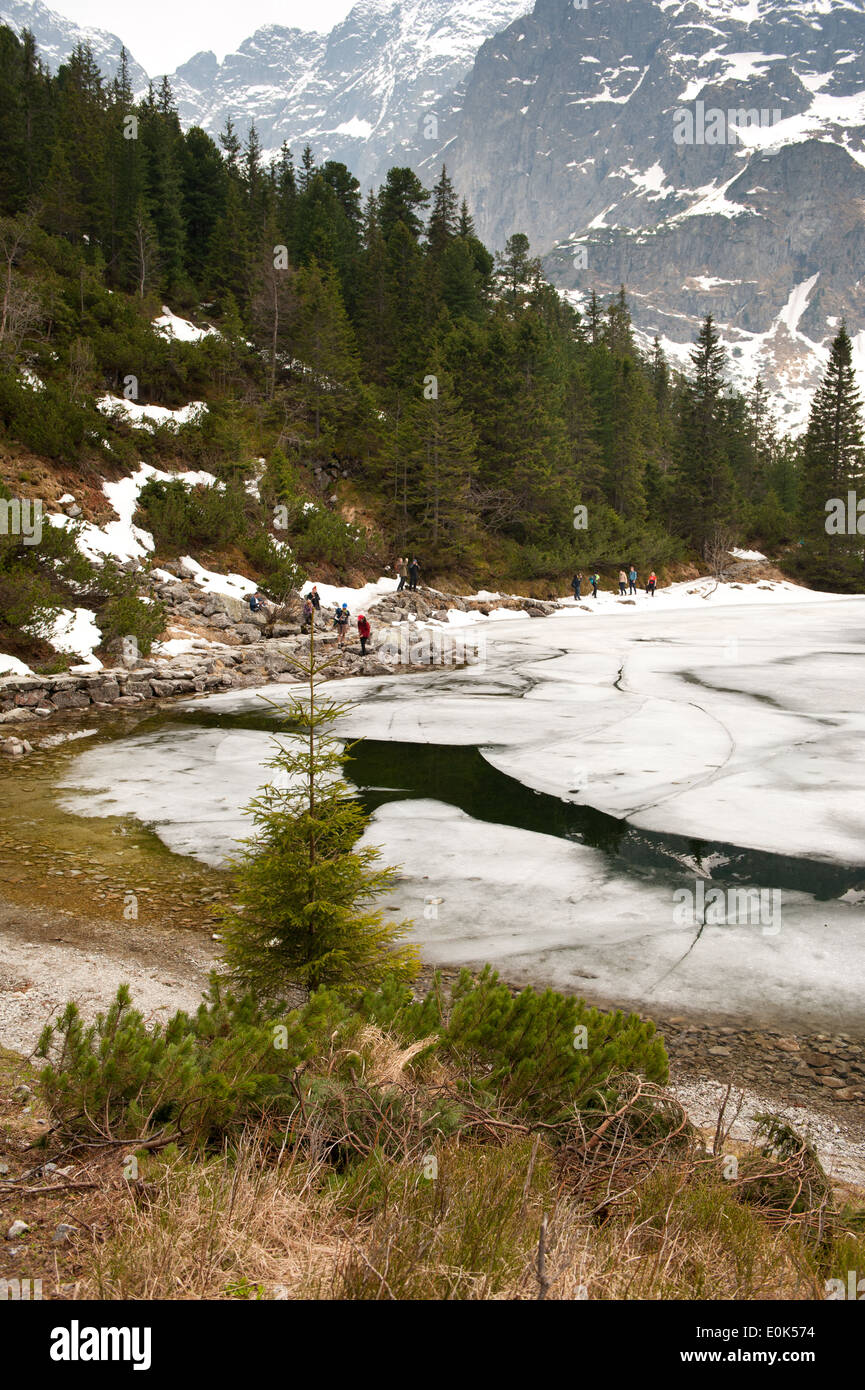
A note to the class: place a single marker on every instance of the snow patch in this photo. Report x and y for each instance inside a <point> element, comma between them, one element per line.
<point>148,417</point>
<point>169,325</point>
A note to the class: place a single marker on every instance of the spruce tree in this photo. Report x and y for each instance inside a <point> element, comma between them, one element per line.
<point>595,316</point>
<point>833,468</point>
<point>762,439</point>
<point>437,447</point>
<point>324,344</point>
<point>443,223</point>
<point>205,183</point>
<point>231,143</point>
<point>516,270</point>
<point>703,484</point>
<point>376,326</point>
<point>400,201</point>
<point>660,375</point>
<point>307,168</point>
<point>306,889</point>
<point>628,455</point>
<point>466,226</point>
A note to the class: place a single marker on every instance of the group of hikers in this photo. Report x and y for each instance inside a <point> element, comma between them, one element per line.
<point>628,582</point>
<point>341,621</point>
<point>407,571</point>
<point>408,574</point>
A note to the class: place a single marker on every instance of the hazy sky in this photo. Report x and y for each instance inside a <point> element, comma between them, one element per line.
<point>164,33</point>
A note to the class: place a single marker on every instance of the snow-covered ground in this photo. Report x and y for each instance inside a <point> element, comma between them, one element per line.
<point>74,631</point>
<point>228,585</point>
<point>332,595</point>
<point>735,719</point>
<point>149,416</point>
<point>120,539</point>
<point>11,666</point>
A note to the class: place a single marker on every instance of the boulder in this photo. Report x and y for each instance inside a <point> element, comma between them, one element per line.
<point>15,747</point>
<point>17,716</point>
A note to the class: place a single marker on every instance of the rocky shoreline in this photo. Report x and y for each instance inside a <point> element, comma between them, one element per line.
<point>228,647</point>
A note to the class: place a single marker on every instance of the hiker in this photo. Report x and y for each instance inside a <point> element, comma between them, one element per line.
<point>315,597</point>
<point>623,583</point>
<point>413,574</point>
<point>402,572</point>
<point>306,614</point>
<point>259,604</point>
<point>341,622</point>
<point>632,580</point>
<point>652,584</point>
<point>577,586</point>
<point>364,632</point>
<point>594,580</point>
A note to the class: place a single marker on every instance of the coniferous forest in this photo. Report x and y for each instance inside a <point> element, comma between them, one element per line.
<point>469,410</point>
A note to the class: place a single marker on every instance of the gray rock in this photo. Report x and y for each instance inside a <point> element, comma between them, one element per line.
<point>18,1228</point>
<point>105,691</point>
<point>70,699</point>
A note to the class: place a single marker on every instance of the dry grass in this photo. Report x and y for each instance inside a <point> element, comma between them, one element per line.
<point>361,1196</point>
<point>226,1228</point>
<point>467,1227</point>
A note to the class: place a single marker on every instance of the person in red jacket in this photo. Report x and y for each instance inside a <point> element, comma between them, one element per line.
<point>365,632</point>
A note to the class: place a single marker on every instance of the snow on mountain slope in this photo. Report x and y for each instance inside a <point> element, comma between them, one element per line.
<point>56,37</point>
<point>355,94</point>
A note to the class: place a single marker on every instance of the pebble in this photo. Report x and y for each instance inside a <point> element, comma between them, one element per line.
<point>18,1228</point>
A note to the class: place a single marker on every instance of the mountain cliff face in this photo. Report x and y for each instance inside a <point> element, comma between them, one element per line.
<point>620,170</point>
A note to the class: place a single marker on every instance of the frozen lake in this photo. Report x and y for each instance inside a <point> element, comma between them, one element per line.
<point>588,806</point>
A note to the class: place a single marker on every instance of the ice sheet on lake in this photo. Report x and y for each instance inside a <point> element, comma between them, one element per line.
<point>189,785</point>
<point>733,725</point>
<point>742,725</point>
<point>552,913</point>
